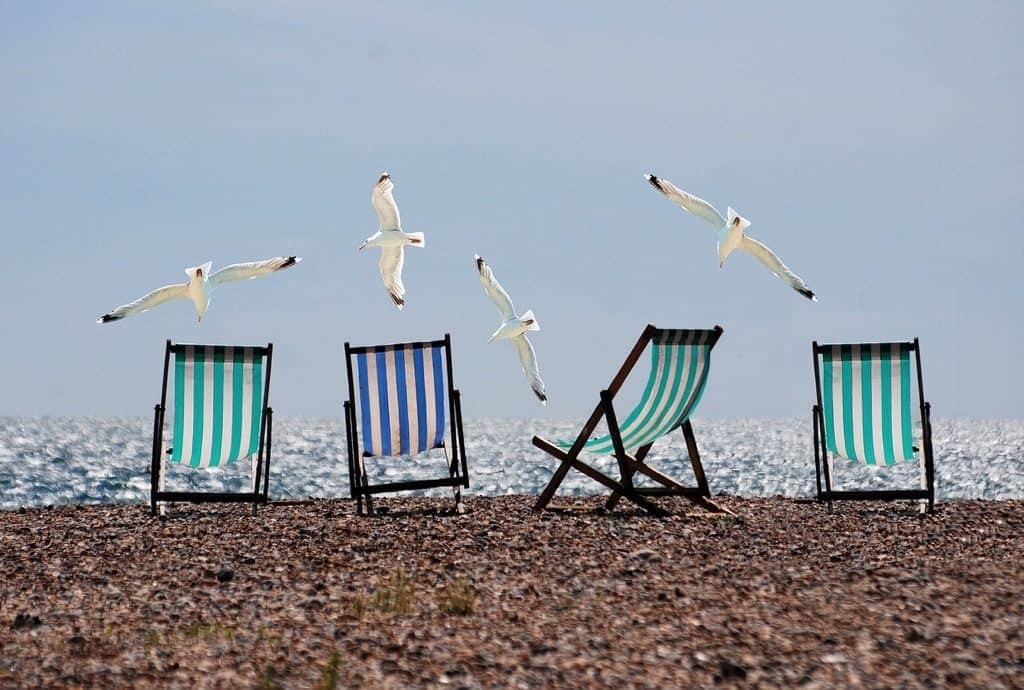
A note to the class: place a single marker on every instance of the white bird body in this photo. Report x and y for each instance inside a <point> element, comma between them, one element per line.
<point>390,238</point>
<point>513,327</point>
<point>731,234</point>
<point>199,287</point>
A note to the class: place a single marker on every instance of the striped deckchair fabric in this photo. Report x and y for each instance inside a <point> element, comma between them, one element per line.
<point>407,404</point>
<point>680,361</point>
<point>218,404</point>
<point>865,412</point>
<point>220,415</point>
<point>866,394</point>
<point>401,398</point>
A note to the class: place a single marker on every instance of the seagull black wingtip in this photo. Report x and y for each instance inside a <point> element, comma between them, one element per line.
<point>653,179</point>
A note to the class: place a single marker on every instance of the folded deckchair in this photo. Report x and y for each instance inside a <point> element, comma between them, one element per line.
<point>680,360</point>
<point>406,397</point>
<point>221,415</point>
<point>864,414</point>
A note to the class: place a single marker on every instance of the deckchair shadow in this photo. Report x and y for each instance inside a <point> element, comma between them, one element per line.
<point>221,415</point>
<point>680,361</point>
<point>864,414</point>
<point>406,398</point>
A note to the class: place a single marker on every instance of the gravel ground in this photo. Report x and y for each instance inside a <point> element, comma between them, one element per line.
<point>310,595</point>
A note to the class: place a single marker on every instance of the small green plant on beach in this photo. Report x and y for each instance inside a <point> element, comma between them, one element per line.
<point>196,631</point>
<point>268,680</point>
<point>457,597</point>
<point>359,606</point>
<point>396,595</point>
<point>152,638</point>
<point>329,680</point>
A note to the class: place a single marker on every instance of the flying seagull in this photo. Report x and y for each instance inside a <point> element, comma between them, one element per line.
<point>390,238</point>
<point>731,233</point>
<point>513,327</point>
<point>199,286</point>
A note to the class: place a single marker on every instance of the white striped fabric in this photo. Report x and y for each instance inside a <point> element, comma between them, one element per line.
<point>680,362</point>
<point>866,402</point>
<point>402,399</point>
<point>218,404</point>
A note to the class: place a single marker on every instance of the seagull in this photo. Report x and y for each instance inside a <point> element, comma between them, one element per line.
<point>390,239</point>
<point>199,286</point>
<point>513,327</point>
<point>731,234</point>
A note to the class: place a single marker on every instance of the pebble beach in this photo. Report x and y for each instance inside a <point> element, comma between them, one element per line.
<point>310,595</point>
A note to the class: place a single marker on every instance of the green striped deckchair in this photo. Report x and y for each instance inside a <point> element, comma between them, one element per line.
<point>221,415</point>
<point>680,361</point>
<point>864,413</point>
<point>406,402</point>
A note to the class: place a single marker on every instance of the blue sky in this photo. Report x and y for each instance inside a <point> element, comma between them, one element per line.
<point>876,147</point>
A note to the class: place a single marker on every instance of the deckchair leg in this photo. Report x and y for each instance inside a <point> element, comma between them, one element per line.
<point>568,461</point>
<point>613,500</point>
<point>691,449</point>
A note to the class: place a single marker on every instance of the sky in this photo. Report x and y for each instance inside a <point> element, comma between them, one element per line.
<point>876,147</point>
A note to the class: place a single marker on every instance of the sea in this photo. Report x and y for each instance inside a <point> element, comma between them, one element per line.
<point>74,460</point>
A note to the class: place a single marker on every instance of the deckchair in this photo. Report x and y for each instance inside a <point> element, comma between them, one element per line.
<point>680,361</point>
<point>864,414</point>
<point>221,415</point>
<point>406,396</point>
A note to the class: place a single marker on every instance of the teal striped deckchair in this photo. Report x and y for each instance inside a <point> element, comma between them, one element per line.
<point>865,414</point>
<point>680,361</point>
<point>406,398</point>
<point>221,415</point>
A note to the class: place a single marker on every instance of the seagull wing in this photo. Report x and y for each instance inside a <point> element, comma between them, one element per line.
<point>494,290</point>
<point>689,202</point>
<point>252,269</point>
<point>775,265</point>
<point>384,204</point>
<point>391,261</point>
<point>529,360</point>
<point>146,302</point>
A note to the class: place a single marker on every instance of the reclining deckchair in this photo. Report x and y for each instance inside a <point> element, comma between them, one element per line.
<point>864,415</point>
<point>406,395</point>
<point>680,361</point>
<point>221,415</point>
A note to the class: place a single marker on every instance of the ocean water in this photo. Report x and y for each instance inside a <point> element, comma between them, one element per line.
<point>48,460</point>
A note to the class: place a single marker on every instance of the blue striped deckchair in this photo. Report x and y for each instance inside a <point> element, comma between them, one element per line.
<point>680,361</point>
<point>864,414</point>
<point>221,415</point>
<point>406,397</point>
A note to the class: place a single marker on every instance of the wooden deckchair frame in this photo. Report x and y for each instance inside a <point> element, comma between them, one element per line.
<point>629,465</point>
<point>453,446</point>
<point>821,464</point>
<point>256,496</point>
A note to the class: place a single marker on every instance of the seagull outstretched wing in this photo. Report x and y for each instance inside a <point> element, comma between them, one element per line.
<point>494,290</point>
<point>146,302</point>
<point>384,203</point>
<point>529,360</point>
<point>689,202</point>
<point>391,261</point>
<point>766,256</point>
<point>253,269</point>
